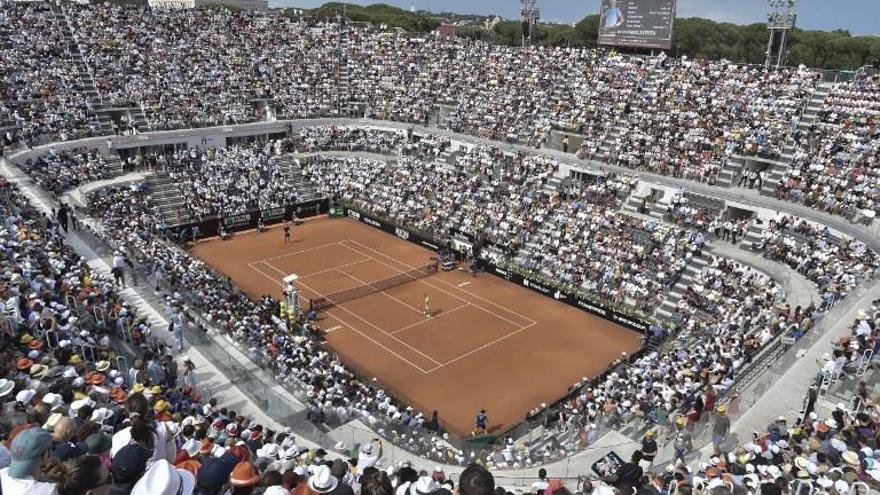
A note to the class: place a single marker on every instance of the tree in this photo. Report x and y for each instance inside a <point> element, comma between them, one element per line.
<point>693,37</point>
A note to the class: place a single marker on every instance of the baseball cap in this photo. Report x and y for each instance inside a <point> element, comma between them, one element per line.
<point>215,472</point>
<point>27,449</point>
<point>129,464</point>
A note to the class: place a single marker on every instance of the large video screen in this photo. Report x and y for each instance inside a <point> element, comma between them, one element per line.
<point>645,23</point>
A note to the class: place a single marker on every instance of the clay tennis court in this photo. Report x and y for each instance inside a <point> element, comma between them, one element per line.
<point>488,344</point>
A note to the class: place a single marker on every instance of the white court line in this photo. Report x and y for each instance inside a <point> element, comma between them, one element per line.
<point>439,365</point>
<point>349,325</point>
<point>487,344</point>
<point>532,322</point>
<point>518,325</point>
<point>442,314</point>
<point>299,252</point>
<point>418,311</point>
<point>319,271</point>
<point>261,272</point>
<point>352,313</point>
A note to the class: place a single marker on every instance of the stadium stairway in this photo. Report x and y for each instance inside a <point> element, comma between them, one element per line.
<point>603,152</point>
<point>666,309</point>
<point>166,198</point>
<point>114,164</point>
<point>85,81</point>
<point>139,118</point>
<point>554,184</point>
<point>447,159</point>
<point>342,74</point>
<point>448,156</point>
<point>809,117</point>
<point>753,235</point>
<point>636,202</point>
<point>305,188</point>
<point>730,172</point>
<point>843,391</point>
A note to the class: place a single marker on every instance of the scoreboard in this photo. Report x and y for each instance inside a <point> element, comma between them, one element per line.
<point>638,23</point>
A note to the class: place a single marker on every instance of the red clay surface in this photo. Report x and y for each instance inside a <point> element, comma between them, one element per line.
<point>489,344</point>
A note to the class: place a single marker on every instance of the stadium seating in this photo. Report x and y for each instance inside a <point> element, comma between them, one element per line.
<point>78,354</point>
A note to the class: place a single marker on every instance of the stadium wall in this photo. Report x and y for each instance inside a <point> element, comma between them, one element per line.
<point>249,219</point>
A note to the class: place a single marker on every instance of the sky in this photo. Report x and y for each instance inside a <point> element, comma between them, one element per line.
<point>858,16</point>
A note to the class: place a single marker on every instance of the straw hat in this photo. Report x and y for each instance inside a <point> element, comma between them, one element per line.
<point>39,371</point>
<point>851,458</point>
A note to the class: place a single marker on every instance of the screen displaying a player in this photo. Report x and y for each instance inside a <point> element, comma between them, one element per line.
<point>612,16</point>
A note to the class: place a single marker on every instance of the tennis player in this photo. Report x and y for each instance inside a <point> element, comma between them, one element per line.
<point>427,306</point>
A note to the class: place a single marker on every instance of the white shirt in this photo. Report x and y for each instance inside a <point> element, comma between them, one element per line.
<point>164,446</point>
<point>365,461</point>
<point>540,485</point>
<point>118,261</point>
<point>28,485</point>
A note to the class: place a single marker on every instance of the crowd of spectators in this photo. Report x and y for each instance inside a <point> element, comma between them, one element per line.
<point>833,262</point>
<point>693,116</point>
<point>39,92</point>
<point>484,192</point>
<point>228,181</point>
<point>595,91</point>
<point>835,166</point>
<point>342,138</point>
<point>673,116</point>
<point>201,67</point>
<point>588,245</point>
<point>831,449</point>
<point>698,113</point>
<point>695,112</point>
<point>58,171</point>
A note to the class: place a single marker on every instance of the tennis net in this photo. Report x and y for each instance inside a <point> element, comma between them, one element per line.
<point>366,289</point>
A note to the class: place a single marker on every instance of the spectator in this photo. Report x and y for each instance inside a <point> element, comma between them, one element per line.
<point>476,480</point>
<point>30,450</point>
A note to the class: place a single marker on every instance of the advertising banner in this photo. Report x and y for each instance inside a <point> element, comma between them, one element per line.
<point>248,220</point>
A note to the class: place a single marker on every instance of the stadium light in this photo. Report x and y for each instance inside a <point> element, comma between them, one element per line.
<point>529,14</point>
<point>780,21</point>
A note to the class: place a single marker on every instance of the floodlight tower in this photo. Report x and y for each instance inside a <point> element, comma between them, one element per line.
<point>529,15</point>
<point>780,21</point>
